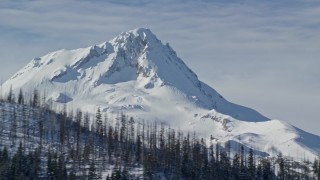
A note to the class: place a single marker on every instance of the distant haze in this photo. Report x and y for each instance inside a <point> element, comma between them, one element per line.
<point>264,55</point>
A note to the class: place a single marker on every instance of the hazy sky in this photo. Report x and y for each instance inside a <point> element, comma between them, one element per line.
<point>261,54</point>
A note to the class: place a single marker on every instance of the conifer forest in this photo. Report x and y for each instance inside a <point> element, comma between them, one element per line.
<point>40,142</point>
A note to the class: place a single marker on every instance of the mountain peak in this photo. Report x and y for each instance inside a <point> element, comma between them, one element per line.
<point>136,58</point>
<point>153,60</point>
<point>143,35</point>
<point>135,73</point>
<point>143,32</point>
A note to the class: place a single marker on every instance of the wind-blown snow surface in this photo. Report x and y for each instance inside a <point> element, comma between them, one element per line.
<point>137,74</point>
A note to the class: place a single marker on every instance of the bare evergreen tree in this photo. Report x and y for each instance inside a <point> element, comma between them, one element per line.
<point>35,98</point>
<point>14,124</point>
<point>20,97</point>
<point>10,95</point>
<point>78,131</point>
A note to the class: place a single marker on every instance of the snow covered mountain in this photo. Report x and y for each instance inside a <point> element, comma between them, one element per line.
<point>137,74</point>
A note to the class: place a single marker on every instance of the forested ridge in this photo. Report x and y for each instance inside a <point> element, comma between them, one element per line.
<point>39,142</point>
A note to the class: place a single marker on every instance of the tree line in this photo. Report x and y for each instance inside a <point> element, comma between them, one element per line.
<point>49,144</point>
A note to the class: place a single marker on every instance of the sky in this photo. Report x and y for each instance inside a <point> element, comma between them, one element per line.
<point>260,54</point>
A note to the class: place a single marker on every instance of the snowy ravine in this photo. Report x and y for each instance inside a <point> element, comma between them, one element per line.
<point>135,73</point>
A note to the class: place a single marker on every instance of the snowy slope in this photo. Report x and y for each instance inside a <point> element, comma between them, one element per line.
<point>137,74</point>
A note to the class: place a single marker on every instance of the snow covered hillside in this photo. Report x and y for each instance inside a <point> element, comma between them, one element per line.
<point>137,74</point>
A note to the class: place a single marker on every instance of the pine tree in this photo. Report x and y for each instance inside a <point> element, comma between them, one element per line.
<point>305,169</point>
<point>78,132</point>
<point>62,170</point>
<point>98,121</point>
<point>259,172</point>
<point>25,123</point>
<point>92,172</point>
<point>41,127</point>
<point>217,164</point>
<point>212,160</point>
<point>62,129</point>
<point>147,169</point>
<point>138,148</point>
<point>10,95</point>
<point>86,121</point>
<point>123,128</point>
<point>14,125</point>
<point>4,164</point>
<point>18,165</point>
<point>49,161</point>
<point>116,173</point>
<point>225,164</point>
<point>131,133</point>
<point>99,130</point>
<point>52,165</point>
<point>242,163</point>
<point>35,98</point>
<point>251,165</point>
<point>110,142</point>
<point>281,163</point>
<point>37,161</point>
<point>20,97</point>
<point>266,169</point>
<point>236,167</point>
<point>2,119</point>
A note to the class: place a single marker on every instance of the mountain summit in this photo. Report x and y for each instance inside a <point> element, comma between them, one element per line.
<point>137,74</point>
<point>136,60</point>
